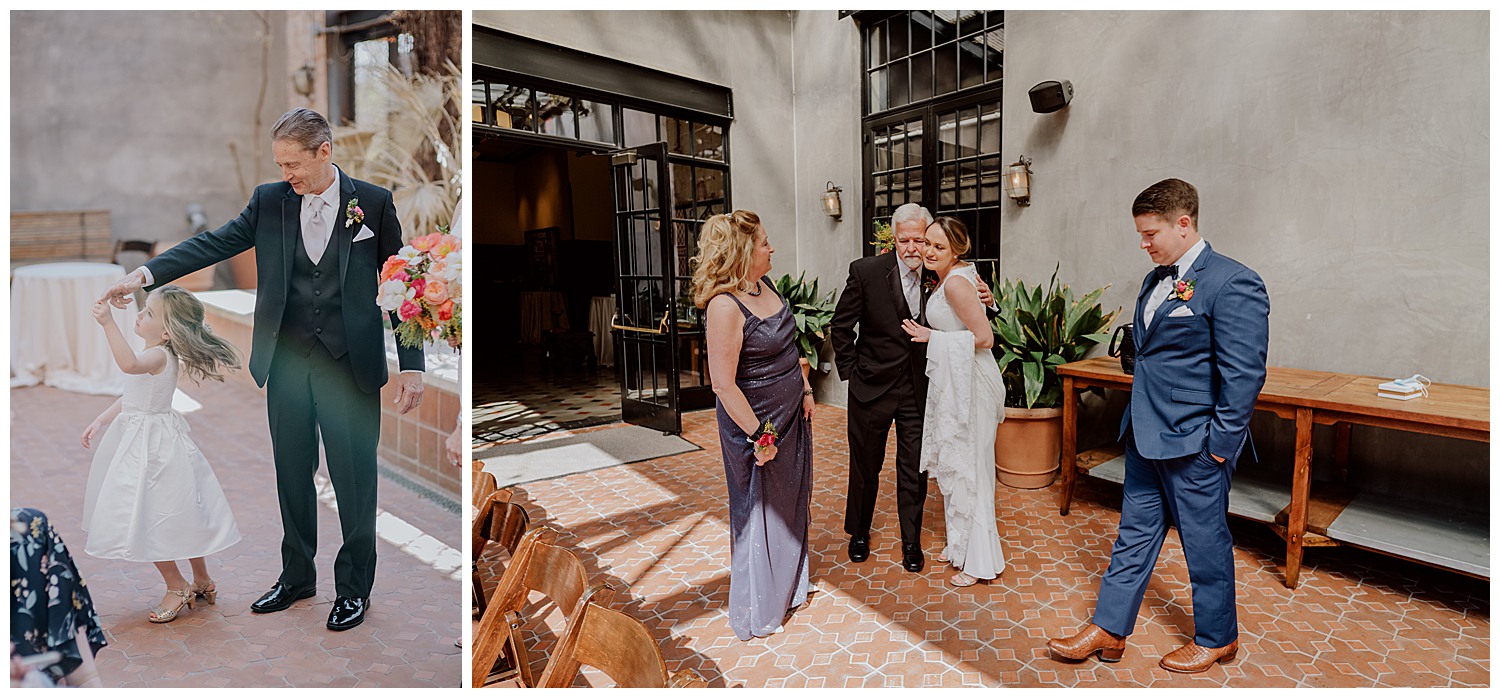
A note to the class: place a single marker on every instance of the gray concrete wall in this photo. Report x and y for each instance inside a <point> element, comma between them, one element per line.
<point>1344,156</point>
<point>827,110</point>
<point>135,112</point>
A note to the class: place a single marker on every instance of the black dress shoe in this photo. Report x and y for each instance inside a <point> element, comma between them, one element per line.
<point>280,598</point>
<point>347,612</point>
<point>911,558</point>
<point>859,548</point>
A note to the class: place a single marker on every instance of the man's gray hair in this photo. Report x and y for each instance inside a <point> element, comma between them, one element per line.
<point>304,127</point>
<point>911,213</point>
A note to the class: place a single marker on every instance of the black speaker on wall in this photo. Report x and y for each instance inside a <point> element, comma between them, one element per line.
<point>1050,96</point>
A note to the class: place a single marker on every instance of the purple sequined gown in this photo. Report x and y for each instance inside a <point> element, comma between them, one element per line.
<point>768,505</point>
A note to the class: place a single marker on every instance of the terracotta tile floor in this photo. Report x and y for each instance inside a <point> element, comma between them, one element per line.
<point>416,608</point>
<point>658,531</point>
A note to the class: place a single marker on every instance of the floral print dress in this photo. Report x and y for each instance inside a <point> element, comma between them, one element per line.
<point>48,598</point>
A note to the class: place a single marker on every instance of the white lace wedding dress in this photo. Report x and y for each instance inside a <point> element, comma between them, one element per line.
<point>151,496</point>
<point>965,402</point>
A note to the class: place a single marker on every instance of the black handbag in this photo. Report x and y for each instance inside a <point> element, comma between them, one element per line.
<point>1125,349</point>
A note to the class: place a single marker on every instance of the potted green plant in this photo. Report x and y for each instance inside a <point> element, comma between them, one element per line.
<point>811,312</point>
<point>1037,330</point>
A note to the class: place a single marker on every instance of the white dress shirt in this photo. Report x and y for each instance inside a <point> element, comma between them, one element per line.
<point>1164,287</point>
<point>316,234</point>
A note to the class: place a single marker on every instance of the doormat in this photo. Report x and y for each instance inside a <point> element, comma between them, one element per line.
<point>530,461</point>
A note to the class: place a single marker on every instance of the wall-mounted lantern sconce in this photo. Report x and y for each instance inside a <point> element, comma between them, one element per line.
<point>831,203</point>
<point>302,80</point>
<point>1018,181</point>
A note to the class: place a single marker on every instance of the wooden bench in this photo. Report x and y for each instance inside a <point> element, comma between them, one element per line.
<point>59,236</point>
<point>1332,514</point>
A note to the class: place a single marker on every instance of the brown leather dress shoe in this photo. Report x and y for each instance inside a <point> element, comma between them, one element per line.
<point>1192,659</point>
<point>1093,639</point>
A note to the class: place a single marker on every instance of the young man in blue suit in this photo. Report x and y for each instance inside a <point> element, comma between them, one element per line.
<point>1202,326</point>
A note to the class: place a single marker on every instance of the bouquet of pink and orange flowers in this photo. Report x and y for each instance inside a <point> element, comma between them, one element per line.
<point>423,285</point>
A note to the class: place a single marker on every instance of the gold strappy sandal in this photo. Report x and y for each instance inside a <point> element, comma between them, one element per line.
<point>162,615</point>
<point>209,592</point>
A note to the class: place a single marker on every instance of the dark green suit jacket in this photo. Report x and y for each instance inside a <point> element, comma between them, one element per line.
<point>271,224</point>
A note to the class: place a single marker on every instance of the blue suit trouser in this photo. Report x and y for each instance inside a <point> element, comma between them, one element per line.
<point>1194,492</point>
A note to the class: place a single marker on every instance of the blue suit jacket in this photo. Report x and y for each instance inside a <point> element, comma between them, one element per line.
<point>1197,377</point>
<point>271,225</point>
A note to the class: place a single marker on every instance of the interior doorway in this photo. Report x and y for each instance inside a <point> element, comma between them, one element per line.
<point>545,282</point>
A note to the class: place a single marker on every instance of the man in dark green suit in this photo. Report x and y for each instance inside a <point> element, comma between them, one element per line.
<point>320,238</point>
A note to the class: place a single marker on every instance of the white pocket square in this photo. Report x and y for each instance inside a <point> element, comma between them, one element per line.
<point>364,233</point>
<point>1183,311</point>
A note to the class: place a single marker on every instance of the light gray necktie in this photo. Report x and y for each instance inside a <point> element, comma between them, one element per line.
<point>316,239</point>
<point>913,292</point>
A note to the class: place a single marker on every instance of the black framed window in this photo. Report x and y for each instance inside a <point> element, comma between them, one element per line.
<point>911,57</point>
<point>932,96</point>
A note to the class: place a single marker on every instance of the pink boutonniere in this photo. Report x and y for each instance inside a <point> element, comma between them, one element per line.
<point>1183,290</point>
<point>354,215</point>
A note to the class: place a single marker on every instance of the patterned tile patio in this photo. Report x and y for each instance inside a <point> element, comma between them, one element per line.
<point>658,531</point>
<point>415,614</point>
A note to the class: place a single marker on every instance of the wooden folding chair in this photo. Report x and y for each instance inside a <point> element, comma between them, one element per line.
<point>538,565</point>
<point>616,644</point>
<point>499,520</point>
<point>484,484</point>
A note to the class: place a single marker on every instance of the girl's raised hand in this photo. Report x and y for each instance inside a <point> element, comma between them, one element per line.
<point>102,313</point>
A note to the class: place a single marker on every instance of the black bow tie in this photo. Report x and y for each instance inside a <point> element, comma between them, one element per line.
<point>1163,272</point>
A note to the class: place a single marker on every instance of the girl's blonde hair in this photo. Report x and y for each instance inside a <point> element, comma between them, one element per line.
<point>201,352</point>
<point>725,246</point>
<point>956,232</point>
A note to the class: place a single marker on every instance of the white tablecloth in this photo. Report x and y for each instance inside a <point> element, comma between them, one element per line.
<point>601,316</point>
<point>541,312</point>
<point>54,339</point>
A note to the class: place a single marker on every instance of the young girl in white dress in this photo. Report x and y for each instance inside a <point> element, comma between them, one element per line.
<point>965,402</point>
<point>151,496</point>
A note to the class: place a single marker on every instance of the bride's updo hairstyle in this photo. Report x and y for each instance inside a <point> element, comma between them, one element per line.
<point>725,246</point>
<point>201,352</point>
<point>957,234</point>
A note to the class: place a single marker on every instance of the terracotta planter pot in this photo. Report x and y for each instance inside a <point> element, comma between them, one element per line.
<point>1027,447</point>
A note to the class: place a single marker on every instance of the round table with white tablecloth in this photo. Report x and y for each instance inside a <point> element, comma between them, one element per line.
<point>54,339</point>
<point>601,318</point>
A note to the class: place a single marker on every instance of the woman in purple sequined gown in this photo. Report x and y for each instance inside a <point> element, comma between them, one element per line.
<point>752,356</point>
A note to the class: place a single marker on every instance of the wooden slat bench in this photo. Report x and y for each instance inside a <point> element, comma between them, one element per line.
<point>59,236</point>
<point>1332,514</point>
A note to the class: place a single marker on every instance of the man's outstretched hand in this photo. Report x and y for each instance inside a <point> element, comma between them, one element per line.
<point>123,291</point>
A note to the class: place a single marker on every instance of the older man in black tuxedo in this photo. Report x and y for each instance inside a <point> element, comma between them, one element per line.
<point>320,238</point>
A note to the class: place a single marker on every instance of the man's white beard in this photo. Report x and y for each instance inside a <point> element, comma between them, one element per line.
<point>911,262</point>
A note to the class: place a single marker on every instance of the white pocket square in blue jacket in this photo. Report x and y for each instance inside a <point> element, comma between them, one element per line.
<point>1183,311</point>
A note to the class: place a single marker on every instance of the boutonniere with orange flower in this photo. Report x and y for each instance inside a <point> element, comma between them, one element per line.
<point>1183,290</point>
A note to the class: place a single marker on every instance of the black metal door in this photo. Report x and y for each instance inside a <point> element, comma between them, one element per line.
<point>648,305</point>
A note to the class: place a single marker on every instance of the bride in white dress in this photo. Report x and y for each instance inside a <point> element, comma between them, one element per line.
<point>965,402</point>
<point>151,496</point>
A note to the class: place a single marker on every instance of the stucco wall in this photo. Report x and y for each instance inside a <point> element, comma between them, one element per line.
<point>1344,156</point>
<point>135,112</point>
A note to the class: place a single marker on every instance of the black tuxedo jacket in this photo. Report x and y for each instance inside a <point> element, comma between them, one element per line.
<point>271,224</point>
<point>873,358</point>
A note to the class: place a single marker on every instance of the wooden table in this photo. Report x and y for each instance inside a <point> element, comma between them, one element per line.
<point>1307,398</point>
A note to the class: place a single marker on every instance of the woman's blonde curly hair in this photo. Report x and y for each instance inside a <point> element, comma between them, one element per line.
<point>725,246</point>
